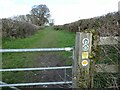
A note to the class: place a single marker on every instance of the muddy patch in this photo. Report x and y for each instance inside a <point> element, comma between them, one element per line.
<point>49,60</point>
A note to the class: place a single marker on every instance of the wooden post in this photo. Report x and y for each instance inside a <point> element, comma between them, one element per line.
<point>81,77</point>
<point>79,28</point>
<point>0,48</point>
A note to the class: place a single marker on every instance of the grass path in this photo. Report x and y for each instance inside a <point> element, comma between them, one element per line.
<point>43,39</point>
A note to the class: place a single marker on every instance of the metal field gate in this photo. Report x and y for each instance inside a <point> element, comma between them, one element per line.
<point>3,84</point>
<point>82,69</point>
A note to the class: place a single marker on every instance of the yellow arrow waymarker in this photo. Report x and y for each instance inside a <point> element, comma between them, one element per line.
<point>84,63</point>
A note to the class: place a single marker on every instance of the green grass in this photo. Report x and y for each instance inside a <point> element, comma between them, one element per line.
<point>46,38</point>
<point>43,39</point>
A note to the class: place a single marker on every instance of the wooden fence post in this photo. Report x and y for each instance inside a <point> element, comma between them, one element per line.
<point>0,52</point>
<point>81,63</point>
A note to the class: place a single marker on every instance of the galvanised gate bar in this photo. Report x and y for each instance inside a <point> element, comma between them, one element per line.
<point>2,84</point>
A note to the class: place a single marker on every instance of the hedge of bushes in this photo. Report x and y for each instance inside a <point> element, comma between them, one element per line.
<point>106,25</point>
<point>17,29</point>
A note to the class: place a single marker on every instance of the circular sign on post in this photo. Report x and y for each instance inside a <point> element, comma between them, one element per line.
<point>84,63</point>
<point>85,41</point>
<point>85,47</point>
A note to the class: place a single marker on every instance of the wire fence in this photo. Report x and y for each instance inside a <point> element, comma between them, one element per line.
<point>108,55</point>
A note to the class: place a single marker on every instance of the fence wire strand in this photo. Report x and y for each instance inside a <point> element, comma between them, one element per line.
<point>109,55</point>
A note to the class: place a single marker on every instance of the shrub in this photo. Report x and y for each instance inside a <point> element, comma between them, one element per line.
<point>17,29</point>
<point>106,25</point>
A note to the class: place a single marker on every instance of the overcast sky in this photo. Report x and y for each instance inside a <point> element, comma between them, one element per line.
<point>63,11</point>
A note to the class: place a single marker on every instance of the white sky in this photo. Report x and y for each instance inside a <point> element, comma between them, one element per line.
<point>63,11</point>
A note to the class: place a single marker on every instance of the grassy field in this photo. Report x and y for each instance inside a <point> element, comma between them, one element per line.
<point>43,39</point>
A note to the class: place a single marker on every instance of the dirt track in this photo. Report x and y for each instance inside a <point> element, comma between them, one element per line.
<point>49,60</point>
